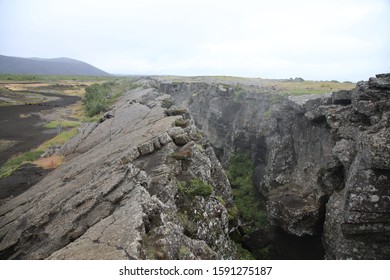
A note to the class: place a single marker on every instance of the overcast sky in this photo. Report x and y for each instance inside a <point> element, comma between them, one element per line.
<point>318,40</point>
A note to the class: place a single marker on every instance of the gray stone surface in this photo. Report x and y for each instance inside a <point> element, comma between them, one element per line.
<point>116,196</point>
<point>335,147</point>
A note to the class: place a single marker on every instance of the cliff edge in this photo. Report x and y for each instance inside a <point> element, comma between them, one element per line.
<point>139,184</point>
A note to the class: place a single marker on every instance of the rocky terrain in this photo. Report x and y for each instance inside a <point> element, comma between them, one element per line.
<point>146,182</point>
<point>320,161</point>
<point>134,186</point>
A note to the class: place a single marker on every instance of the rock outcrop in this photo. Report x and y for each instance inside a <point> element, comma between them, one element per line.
<point>321,161</point>
<point>134,186</point>
<point>333,152</point>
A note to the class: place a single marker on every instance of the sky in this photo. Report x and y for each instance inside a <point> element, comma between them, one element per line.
<point>344,40</point>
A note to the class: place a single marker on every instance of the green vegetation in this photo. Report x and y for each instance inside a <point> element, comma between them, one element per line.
<point>40,78</point>
<point>250,207</point>
<point>243,254</point>
<point>167,103</point>
<point>185,253</point>
<point>18,77</point>
<point>276,99</point>
<point>96,98</point>
<point>59,140</point>
<point>238,93</point>
<point>63,124</point>
<point>311,87</point>
<point>195,187</point>
<point>233,213</point>
<point>267,114</point>
<point>99,97</point>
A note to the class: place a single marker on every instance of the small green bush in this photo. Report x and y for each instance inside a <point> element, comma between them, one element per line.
<point>196,187</point>
<point>96,98</point>
<point>99,97</point>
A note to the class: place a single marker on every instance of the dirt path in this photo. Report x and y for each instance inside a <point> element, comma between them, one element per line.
<point>21,126</point>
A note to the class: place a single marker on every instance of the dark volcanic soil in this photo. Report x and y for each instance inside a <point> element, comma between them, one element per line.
<point>21,180</point>
<point>28,131</point>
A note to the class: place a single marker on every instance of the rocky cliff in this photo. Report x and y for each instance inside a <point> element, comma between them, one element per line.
<point>143,183</point>
<point>321,161</point>
<point>146,182</point>
<point>327,171</point>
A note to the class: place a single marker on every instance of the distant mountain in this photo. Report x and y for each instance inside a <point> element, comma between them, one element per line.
<point>42,66</point>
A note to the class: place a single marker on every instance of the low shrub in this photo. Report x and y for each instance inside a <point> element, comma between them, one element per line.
<point>96,98</point>
<point>195,187</point>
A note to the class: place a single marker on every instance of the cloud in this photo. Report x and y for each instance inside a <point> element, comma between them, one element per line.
<point>336,39</point>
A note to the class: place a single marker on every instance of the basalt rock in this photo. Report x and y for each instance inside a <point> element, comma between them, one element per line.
<point>322,162</point>
<point>117,196</point>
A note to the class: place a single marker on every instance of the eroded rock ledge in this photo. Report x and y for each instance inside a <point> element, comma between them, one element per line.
<point>117,196</point>
<point>322,162</point>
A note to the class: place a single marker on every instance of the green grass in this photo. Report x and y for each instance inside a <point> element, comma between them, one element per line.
<point>311,87</point>
<point>60,139</point>
<point>63,124</point>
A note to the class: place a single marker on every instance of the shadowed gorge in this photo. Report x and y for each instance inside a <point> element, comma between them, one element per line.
<point>216,168</point>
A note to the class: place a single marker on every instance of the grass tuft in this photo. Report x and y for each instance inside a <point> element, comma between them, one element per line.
<point>63,124</point>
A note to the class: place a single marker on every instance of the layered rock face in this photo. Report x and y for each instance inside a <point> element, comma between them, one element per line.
<point>321,161</point>
<point>134,186</point>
